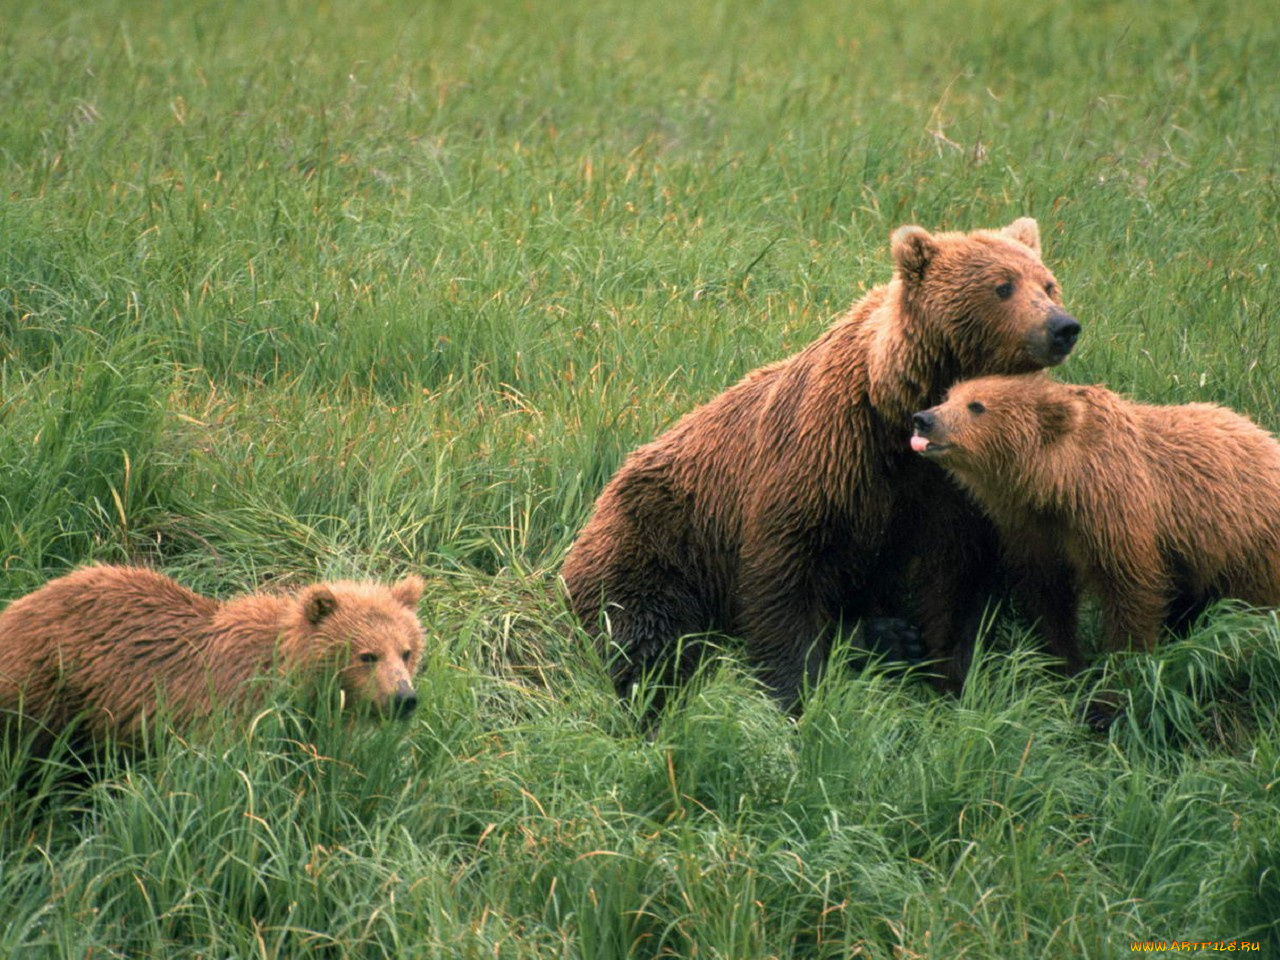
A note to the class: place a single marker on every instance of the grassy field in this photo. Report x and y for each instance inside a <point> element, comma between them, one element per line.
<point>298,290</point>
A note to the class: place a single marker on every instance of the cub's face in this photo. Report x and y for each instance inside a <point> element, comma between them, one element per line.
<point>992,426</point>
<point>990,294</point>
<point>371,635</point>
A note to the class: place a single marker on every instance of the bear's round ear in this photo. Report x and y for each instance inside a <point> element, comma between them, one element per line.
<point>913,248</point>
<point>408,591</point>
<point>1057,418</point>
<point>318,602</point>
<point>1026,231</point>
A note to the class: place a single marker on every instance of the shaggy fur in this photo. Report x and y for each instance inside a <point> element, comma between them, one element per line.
<point>1155,509</point>
<point>105,643</point>
<point>791,500</point>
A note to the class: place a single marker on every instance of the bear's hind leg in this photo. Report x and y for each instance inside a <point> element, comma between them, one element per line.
<point>654,637</point>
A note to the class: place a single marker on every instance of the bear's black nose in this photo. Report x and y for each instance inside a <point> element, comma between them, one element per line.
<point>1064,329</point>
<point>923,422</point>
<point>404,702</point>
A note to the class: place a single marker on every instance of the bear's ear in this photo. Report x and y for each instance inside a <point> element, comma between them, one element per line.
<point>318,602</point>
<point>913,249</point>
<point>1026,231</point>
<point>408,591</point>
<point>1057,417</point>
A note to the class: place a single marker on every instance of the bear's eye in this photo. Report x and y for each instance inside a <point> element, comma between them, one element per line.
<point>1051,288</point>
<point>368,658</point>
<point>975,407</point>
<point>407,656</point>
<point>1005,290</point>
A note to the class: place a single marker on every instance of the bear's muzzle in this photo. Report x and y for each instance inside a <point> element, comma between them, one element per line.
<point>1063,331</point>
<point>403,702</point>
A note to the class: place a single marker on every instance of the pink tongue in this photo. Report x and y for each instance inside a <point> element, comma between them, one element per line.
<point>919,444</point>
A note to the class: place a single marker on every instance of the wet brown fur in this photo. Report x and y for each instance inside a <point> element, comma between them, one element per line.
<point>790,501</point>
<point>106,643</point>
<point>1156,510</point>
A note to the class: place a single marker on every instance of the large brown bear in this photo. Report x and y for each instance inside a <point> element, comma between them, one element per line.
<point>791,501</point>
<point>1155,509</point>
<point>106,643</point>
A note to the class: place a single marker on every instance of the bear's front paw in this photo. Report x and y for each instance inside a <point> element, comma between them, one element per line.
<point>1101,712</point>
<point>894,639</point>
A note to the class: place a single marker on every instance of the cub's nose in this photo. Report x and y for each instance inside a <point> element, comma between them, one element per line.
<point>404,701</point>
<point>923,421</point>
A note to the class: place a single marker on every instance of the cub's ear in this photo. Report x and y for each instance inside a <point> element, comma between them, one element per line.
<point>318,602</point>
<point>408,591</point>
<point>913,250</point>
<point>1026,231</point>
<point>1057,419</point>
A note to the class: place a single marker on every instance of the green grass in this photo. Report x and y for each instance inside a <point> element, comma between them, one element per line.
<point>297,291</point>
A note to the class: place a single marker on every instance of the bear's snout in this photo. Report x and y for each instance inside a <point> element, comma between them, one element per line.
<point>404,701</point>
<point>1064,330</point>
<point>923,441</point>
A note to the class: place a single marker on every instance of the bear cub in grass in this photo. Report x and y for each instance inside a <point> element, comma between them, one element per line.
<point>791,501</point>
<point>107,643</point>
<point>1156,510</point>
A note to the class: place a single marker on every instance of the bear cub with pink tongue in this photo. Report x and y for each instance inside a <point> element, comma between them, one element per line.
<point>1156,510</point>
